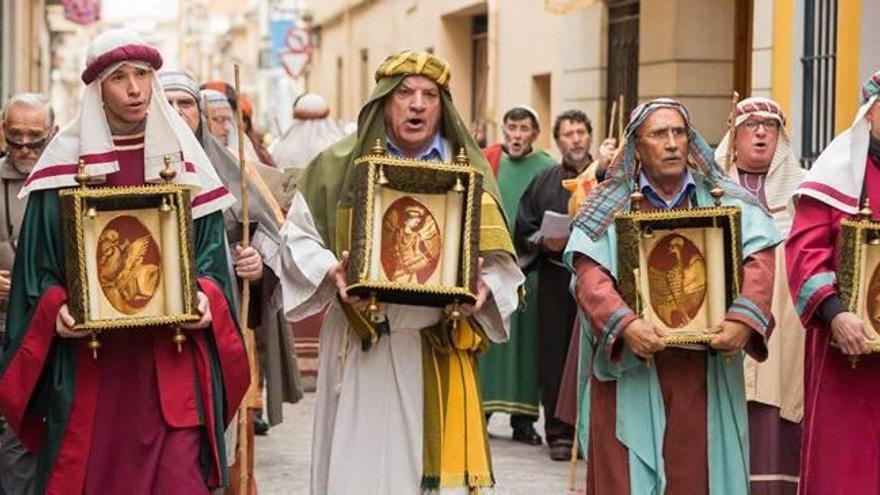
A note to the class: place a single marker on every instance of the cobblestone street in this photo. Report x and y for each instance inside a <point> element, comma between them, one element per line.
<point>283,458</point>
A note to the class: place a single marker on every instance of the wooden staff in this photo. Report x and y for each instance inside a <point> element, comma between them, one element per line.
<point>251,400</point>
<point>620,124</point>
<point>572,471</point>
<point>731,133</point>
<point>611,118</point>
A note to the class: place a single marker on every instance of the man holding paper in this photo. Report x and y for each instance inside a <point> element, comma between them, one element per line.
<point>541,234</point>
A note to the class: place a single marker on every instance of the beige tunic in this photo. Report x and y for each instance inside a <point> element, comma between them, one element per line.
<point>779,381</point>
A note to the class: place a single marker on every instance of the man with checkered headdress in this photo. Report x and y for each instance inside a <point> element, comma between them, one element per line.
<point>663,419</point>
<point>840,433</point>
<point>398,407</point>
<point>762,161</point>
<point>142,418</point>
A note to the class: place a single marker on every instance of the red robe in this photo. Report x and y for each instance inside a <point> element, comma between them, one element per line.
<point>841,441</point>
<point>141,419</point>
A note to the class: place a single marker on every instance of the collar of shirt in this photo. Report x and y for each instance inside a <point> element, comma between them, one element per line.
<point>433,152</point>
<point>651,194</point>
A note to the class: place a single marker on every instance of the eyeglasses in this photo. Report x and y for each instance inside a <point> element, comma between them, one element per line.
<point>768,124</point>
<point>31,145</point>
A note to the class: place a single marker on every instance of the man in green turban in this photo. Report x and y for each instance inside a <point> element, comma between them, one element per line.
<point>398,407</point>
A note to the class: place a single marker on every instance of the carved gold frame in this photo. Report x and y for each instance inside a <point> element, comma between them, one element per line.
<point>78,203</point>
<point>856,237</point>
<point>633,226</point>
<point>377,169</point>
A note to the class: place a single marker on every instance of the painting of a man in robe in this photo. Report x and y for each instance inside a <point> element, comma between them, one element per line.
<point>677,280</point>
<point>128,264</point>
<point>410,242</point>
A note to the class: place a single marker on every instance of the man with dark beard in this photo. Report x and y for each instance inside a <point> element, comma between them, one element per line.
<point>543,256</point>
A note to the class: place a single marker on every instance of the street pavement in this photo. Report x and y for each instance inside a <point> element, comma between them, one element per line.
<point>282,458</point>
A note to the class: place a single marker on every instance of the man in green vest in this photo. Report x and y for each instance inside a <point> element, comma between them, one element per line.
<point>509,373</point>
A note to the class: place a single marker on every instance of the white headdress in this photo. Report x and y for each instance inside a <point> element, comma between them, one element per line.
<point>88,137</point>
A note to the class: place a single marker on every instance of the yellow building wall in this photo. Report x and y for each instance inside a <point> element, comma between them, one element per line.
<point>847,63</point>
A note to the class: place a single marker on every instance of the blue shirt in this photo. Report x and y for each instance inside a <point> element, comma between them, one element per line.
<point>657,200</point>
<point>433,152</point>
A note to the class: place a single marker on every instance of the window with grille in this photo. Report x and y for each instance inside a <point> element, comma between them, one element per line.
<point>820,54</point>
<point>623,55</point>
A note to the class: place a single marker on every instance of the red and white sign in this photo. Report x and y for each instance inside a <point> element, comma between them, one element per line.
<point>298,54</point>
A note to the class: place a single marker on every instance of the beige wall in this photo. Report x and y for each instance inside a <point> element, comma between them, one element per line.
<point>25,57</point>
<point>686,52</point>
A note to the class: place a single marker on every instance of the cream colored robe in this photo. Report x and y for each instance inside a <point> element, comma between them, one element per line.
<point>779,381</point>
<point>368,413</point>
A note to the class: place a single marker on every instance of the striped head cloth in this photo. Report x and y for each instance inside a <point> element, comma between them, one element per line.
<point>613,195</point>
<point>416,63</point>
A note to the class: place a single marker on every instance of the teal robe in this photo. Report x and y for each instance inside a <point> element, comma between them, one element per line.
<point>640,413</point>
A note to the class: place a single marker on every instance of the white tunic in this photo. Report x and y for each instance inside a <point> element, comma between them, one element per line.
<point>368,412</point>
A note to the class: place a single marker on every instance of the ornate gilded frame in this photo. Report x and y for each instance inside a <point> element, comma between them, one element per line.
<point>78,205</point>
<point>858,237</point>
<point>634,227</point>
<point>377,173</point>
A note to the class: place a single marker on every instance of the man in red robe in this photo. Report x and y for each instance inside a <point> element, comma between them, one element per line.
<point>841,441</point>
<point>142,418</point>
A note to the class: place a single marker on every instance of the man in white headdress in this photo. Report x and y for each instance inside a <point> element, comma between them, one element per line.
<point>764,164</point>
<point>311,132</point>
<point>142,418</point>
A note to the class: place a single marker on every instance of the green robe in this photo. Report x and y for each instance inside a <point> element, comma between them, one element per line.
<point>509,372</point>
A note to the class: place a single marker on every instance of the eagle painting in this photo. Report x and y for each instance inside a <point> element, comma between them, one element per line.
<point>128,264</point>
<point>677,280</point>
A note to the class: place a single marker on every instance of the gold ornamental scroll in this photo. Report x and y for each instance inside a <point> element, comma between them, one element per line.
<point>129,258</point>
<point>414,230</point>
<point>858,273</point>
<point>680,270</point>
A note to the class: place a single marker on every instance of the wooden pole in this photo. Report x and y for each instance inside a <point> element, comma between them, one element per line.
<point>621,125</point>
<point>731,133</point>
<point>611,117</point>
<point>245,420</point>
<point>572,471</point>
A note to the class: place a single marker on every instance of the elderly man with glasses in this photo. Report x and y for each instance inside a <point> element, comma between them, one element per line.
<point>28,123</point>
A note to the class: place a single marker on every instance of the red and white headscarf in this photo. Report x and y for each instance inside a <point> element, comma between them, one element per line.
<point>785,172</point>
<point>837,176</point>
<point>87,137</point>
